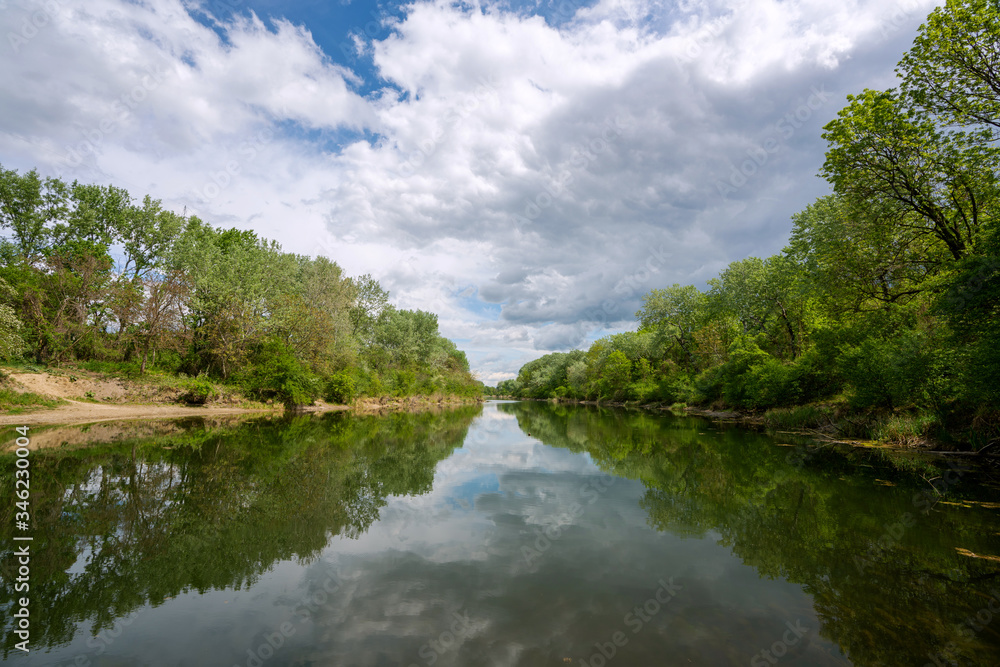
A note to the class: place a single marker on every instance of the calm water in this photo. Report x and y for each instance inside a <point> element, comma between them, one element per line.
<point>512,534</point>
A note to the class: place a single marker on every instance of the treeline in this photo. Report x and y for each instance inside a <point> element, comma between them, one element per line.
<point>888,293</point>
<point>89,274</point>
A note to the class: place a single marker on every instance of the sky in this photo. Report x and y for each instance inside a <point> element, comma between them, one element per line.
<point>525,170</point>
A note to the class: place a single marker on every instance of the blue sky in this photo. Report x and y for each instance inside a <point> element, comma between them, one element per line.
<point>524,170</point>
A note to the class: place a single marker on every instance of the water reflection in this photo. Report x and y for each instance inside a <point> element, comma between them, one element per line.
<point>882,543</point>
<point>457,539</point>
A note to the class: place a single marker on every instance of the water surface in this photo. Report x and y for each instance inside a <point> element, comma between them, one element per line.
<point>513,534</point>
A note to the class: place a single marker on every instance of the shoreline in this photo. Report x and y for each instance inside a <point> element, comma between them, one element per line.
<point>79,413</point>
<point>130,400</point>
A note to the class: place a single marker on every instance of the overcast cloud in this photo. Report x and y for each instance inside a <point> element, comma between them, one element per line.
<point>526,172</point>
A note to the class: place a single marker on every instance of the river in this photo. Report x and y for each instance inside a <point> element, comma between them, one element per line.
<point>514,533</point>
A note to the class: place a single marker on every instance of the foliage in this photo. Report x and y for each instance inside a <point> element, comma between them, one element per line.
<point>341,388</point>
<point>199,391</point>
<point>11,344</point>
<point>90,275</point>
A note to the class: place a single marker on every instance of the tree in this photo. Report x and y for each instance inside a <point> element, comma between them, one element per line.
<point>407,335</point>
<point>371,303</point>
<point>237,282</point>
<point>27,205</point>
<point>755,291</point>
<point>953,68</point>
<point>313,318</point>
<point>887,155</point>
<point>674,313</point>
<point>857,258</point>
<point>161,313</point>
<point>11,343</point>
<point>617,373</point>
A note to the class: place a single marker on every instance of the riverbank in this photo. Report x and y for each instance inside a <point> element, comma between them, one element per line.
<point>830,422</point>
<point>75,396</point>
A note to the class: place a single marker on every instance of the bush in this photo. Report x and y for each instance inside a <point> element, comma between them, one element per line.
<point>911,368</point>
<point>275,373</point>
<point>752,378</point>
<point>707,385</point>
<point>199,391</point>
<point>167,360</point>
<point>341,388</point>
<point>402,383</point>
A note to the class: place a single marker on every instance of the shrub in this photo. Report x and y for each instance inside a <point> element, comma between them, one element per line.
<point>909,368</point>
<point>752,378</point>
<point>275,373</point>
<point>199,391</point>
<point>341,388</point>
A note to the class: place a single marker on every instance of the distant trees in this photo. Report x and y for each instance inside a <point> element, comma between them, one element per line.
<point>90,274</point>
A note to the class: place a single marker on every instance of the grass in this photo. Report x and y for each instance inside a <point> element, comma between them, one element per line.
<point>904,429</point>
<point>17,402</point>
<point>900,429</point>
<point>803,416</point>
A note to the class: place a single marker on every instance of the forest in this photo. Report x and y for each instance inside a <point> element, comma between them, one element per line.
<point>91,276</point>
<point>881,316</point>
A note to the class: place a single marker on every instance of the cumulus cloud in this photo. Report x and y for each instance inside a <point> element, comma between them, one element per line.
<point>527,177</point>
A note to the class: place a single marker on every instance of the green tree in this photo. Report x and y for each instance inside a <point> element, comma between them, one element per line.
<point>371,305</point>
<point>407,336</point>
<point>674,313</point>
<point>617,373</point>
<point>887,155</point>
<point>28,207</point>
<point>765,296</point>
<point>858,258</point>
<point>11,343</point>
<point>952,69</point>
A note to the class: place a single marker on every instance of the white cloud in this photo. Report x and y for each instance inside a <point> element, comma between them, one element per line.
<point>526,167</point>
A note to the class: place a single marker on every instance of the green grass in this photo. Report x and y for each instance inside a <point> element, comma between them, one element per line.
<point>803,416</point>
<point>16,402</point>
<point>903,429</point>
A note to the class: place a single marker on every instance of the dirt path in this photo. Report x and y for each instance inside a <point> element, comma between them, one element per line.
<point>76,412</point>
<point>123,399</point>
